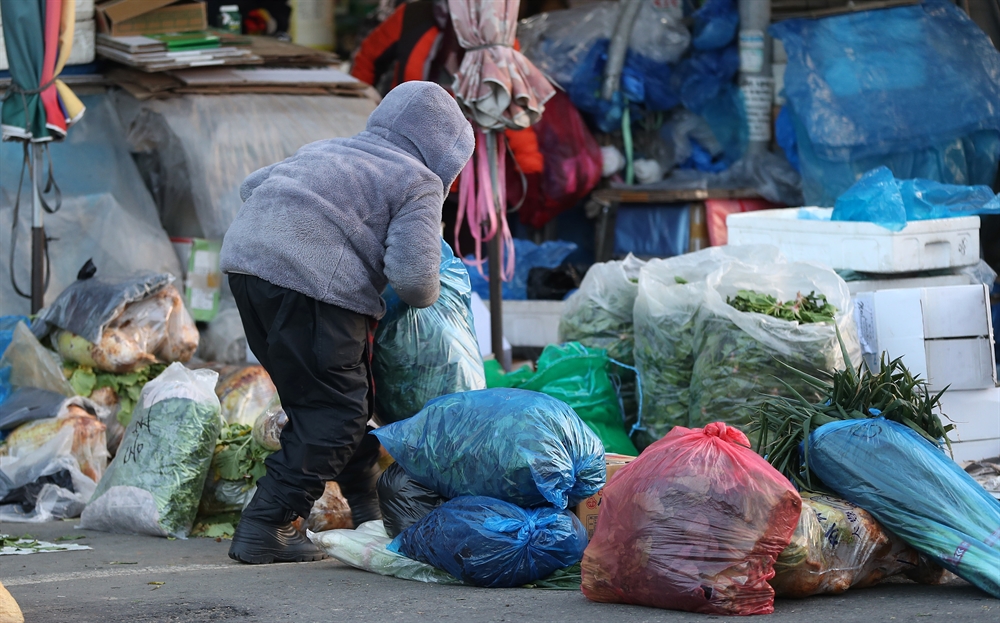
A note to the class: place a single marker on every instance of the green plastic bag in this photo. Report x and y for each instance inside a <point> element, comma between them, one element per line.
<point>578,376</point>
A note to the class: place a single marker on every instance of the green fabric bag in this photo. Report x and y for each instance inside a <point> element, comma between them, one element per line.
<point>578,376</point>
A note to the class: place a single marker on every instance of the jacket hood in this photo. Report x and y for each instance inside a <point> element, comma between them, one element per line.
<point>422,119</point>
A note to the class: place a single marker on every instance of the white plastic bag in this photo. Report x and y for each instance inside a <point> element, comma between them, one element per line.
<point>669,295</point>
<point>155,482</point>
<point>365,548</point>
<point>740,355</point>
<point>32,365</point>
<point>53,502</point>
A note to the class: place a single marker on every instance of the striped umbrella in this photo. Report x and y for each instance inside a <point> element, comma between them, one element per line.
<point>37,107</point>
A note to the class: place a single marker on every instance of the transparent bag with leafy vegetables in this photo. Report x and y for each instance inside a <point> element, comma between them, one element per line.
<point>421,354</point>
<point>154,484</point>
<point>741,356</point>
<point>669,295</point>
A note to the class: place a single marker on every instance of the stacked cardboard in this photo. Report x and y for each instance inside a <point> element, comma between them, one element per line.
<point>225,80</point>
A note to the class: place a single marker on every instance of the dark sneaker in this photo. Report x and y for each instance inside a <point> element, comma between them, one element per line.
<point>259,543</point>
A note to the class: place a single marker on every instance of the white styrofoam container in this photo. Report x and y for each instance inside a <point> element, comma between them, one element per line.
<point>975,414</point>
<point>864,247</point>
<point>84,10</point>
<point>943,334</point>
<point>976,450</point>
<point>531,323</point>
<point>83,50</point>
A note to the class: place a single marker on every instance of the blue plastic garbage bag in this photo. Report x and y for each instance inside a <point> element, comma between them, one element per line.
<point>424,353</point>
<point>492,543</point>
<point>915,491</point>
<point>527,255</point>
<point>703,75</point>
<point>515,445</point>
<point>715,25</point>
<point>784,135</point>
<point>880,198</point>
<point>913,88</point>
<point>879,82</point>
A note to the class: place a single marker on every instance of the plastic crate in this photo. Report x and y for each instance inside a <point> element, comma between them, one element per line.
<point>863,247</point>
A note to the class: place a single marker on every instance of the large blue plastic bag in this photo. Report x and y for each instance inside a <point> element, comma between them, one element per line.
<point>879,82</point>
<point>519,446</point>
<point>915,491</point>
<point>880,198</point>
<point>527,255</point>
<point>715,25</point>
<point>492,543</point>
<point>424,353</point>
<point>912,88</point>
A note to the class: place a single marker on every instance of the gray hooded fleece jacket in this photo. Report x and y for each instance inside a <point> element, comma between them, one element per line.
<point>343,217</point>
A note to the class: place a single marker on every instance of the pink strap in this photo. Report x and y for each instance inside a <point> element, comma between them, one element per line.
<point>475,204</point>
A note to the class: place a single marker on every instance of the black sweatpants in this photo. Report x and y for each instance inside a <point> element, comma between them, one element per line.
<point>318,356</point>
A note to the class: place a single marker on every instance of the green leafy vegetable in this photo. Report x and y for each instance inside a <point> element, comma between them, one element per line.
<point>805,309</point>
<point>84,380</point>
<point>237,464</point>
<point>782,423</point>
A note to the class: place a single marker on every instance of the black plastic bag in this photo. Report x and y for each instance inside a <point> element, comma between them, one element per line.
<point>552,284</point>
<point>403,500</point>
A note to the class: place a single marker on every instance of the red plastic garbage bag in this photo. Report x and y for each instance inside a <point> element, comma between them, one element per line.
<point>695,523</point>
<point>572,161</point>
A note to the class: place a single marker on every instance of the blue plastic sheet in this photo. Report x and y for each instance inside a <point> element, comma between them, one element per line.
<point>913,88</point>
<point>879,82</point>
<point>784,136</point>
<point>7,324</point>
<point>703,75</point>
<point>424,353</point>
<point>494,544</point>
<point>715,25</point>
<point>644,81</point>
<point>515,445</point>
<point>527,255</point>
<point>652,230</point>
<point>880,198</point>
<point>915,491</point>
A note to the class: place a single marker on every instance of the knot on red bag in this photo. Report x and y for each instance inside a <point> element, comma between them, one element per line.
<point>726,433</point>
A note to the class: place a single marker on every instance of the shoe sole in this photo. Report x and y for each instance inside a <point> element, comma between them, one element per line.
<point>269,558</point>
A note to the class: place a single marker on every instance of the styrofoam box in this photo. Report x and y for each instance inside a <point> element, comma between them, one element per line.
<point>944,334</point>
<point>864,247</point>
<point>83,49</point>
<point>531,323</point>
<point>976,450</point>
<point>975,414</point>
<point>84,10</point>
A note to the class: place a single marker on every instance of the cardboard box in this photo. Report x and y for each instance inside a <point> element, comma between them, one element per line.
<point>123,18</point>
<point>202,276</point>
<point>944,334</point>
<point>588,509</point>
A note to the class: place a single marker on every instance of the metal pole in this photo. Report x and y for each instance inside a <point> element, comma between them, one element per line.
<point>37,232</point>
<point>496,280</point>
<point>627,15</point>
<point>756,82</point>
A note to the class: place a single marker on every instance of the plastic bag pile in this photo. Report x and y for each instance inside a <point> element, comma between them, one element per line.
<point>912,88</point>
<point>480,490</point>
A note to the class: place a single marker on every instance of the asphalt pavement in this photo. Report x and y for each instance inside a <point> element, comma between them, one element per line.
<point>136,579</point>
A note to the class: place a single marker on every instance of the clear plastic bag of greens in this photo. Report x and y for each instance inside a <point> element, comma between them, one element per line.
<point>155,482</point>
<point>421,354</point>
<point>599,315</point>
<point>740,356</point>
<point>916,491</point>
<point>670,294</point>
<point>365,549</point>
<point>838,545</point>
